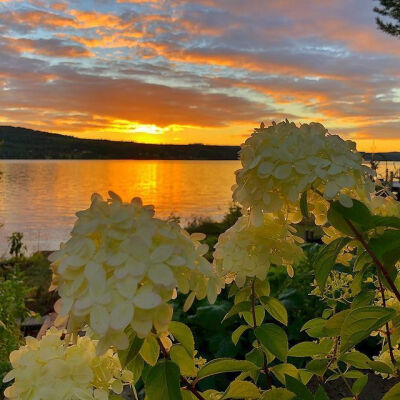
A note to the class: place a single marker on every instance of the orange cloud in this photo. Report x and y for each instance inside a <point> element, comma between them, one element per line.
<point>47,47</point>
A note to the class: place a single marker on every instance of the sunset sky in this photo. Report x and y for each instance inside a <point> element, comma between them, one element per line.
<point>180,71</point>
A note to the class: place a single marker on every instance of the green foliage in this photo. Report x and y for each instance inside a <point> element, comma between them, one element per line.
<point>12,311</point>
<point>17,246</point>
<point>390,9</point>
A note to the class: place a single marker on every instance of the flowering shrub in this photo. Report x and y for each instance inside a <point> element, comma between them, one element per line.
<point>121,267</point>
<point>50,369</point>
<point>247,251</point>
<point>281,162</point>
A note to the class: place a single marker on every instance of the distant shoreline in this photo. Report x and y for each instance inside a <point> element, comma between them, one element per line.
<point>27,144</point>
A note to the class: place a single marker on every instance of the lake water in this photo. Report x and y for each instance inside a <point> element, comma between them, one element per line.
<point>40,198</point>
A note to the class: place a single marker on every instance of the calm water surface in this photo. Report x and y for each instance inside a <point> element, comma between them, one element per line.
<point>40,198</point>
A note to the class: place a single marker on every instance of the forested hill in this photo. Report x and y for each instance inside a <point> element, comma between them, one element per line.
<point>21,143</point>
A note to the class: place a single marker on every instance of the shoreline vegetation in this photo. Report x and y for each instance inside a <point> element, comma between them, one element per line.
<point>27,144</point>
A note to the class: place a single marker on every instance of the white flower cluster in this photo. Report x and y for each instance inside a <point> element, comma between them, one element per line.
<point>50,369</point>
<point>121,267</point>
<point>245,250</point>
<point>282,161</point>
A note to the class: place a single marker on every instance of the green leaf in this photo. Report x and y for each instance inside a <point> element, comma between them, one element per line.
<point>326,259</point>
<point>334,324</point>
<point>150,350</point>
<point>318,367</point>
<point>309,349</point>
<point>241,390</point>
<point>389,222</point>
<point>221,365</point>
<point>126,356</point>
<point>280,370</point>
<point>260,315</point>
<point>163,382</point>
<point>361,322</point>
<point>315,328</point>
<point>136,367</point>
<point>256,356</point>
<point>381,367</point>
<point>238,333</point>
<point>321,394</point>
<point>183,335</point>
<point>393,393</point>
<point>363,299</point>
<point>275,308</point>
<point>187,395</point>
<point>359,385</point>
<point>386,248</point>
<point>262,288</point>
<point>185,362</point>
<point>356,359</point>
<point>238,308</point>
<point>298,388</point>
<point>273,338</point>
<point>304,204</point>
<point>359,214</point>
<point>278,394</point>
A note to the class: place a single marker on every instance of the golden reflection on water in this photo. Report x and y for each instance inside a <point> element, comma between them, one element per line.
<point>39,198</point>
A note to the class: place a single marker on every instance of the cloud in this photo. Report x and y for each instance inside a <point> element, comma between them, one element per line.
<point>45,47</point>
<point>219,64</point>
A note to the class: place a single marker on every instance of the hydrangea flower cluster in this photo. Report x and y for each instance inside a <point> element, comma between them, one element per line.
<point>50,369</point>
<point>121,266</point>
<point>282,161</point>
<point>245,250</point>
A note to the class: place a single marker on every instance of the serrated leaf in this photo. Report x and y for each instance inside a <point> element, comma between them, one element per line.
<point>273,338</point>
<point>222,365</point>
<point>275,308</point>
<point>360,323</point>
<point>326,259</point>
<point>183,335</point>
<point>163,382</point>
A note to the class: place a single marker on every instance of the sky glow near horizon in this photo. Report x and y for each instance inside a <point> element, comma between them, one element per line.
<point>178,71</point>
